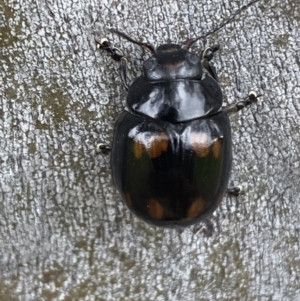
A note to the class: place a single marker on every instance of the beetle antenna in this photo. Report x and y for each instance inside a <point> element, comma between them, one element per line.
<point>123,35</point>
<point>190,42</point>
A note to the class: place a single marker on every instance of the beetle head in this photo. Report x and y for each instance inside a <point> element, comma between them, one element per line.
<point>170,62</point>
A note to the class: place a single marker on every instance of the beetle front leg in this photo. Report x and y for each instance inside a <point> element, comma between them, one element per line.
<point>252,98</point>
<point>118,56</point>
<point>207,56</point>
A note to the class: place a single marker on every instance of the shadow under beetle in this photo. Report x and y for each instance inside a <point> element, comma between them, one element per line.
<point>172,152</point>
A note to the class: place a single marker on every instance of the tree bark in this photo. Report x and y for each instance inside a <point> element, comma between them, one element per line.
<point>65,233</point>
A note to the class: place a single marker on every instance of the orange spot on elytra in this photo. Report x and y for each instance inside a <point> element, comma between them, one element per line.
<point>155,209</point>
<point>200,143</point>
<point>138,149</point>
<point>158,144</point>
<point>154,145</point>
<point>196,208</point>
<point>216,148</point>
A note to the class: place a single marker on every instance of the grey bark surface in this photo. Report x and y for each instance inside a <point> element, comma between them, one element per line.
<point>64,231</point>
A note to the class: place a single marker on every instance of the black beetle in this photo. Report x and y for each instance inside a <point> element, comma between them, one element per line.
<point>171,154</point>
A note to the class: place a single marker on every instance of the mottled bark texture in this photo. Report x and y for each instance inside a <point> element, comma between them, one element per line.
<point>64,232</point>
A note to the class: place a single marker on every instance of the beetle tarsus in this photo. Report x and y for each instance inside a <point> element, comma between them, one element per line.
<point>252,98</point>
<point>208,53</point>
<point>115,53</point>
<point>234,191</point>
<point>103,148</point>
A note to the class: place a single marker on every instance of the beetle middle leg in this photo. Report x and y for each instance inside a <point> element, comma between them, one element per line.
<point>252,98</point>
<point>118,56</point>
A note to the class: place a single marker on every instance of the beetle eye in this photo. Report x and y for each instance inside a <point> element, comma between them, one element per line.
<point>149,64</point>
<point>194,59</point>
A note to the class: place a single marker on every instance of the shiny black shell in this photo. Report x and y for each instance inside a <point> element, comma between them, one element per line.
<point>171,153</point>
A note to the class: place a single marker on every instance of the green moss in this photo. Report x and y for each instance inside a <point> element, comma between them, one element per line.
<point>282,40</point>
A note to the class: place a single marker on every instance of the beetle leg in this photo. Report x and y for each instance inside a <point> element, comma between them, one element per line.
<point>234,191</point>
<point>123,73</point>
<point>207,56</point>
<point>103,148</point>
<point>206,227</point>
<point>115,53</point>
<point>208,52</point>
<point>252,98</point>
<point>118,56</point>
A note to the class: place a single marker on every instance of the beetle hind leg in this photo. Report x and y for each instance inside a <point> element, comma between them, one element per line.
<point>102,148</point>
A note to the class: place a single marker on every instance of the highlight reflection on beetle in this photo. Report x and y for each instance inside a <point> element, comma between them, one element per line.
<point>172,152</point>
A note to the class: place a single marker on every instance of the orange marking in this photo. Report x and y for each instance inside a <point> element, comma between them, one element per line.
<point>200,143</point>
<point>196,208</point>
<point>216,148</point>
<point>155,209</point>
<point>154,145</point>
<point>138,149</point>
<point>157,145</point>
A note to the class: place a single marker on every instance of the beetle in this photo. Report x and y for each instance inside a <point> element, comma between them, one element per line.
<point>171,155</point>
